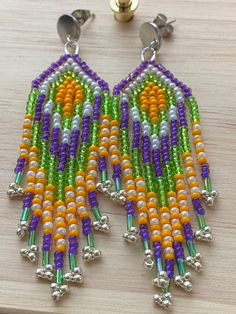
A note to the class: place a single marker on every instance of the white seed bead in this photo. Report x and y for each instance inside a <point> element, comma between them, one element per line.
<point>141,204</point>
<point>140,183</point>
<point>154,221</point>
<point>192,179</point>
<point>73,227</point>
<point>61,231</point>
<point>200,145</point>
<point>69,194</point>
<point>171,199</point>
<point>59,219</point>
<point>70,216</point>
<point>152,210</point>
<point>201,154</point>
<point>80,199</point>
<point>48,193</point>
<point>185,213</point>
<point>46,213</point>
<point>61,242</point>
<point>196,127</point>
<point>166,227</point>
<point>127,171</point>
<point>79,188</point>
<point>30,173</point>
<point>35,206</point>
<point>182,192</point>
<point>174,210</point>
<point>90,182</point>
<point>93,173</point>
<point>71,204</point>
<point>40,196</point>
<point>168,250</point>
<point>156,232</point>
<point>40,175</point>
<point>183,203</point>
<point>131,192</point>
<point>168,238</point>
<point>142,215</point>
<point>195,189</point>
<point>92,163</point>
<point>26,140</point>
<point>129,182</point>
<point>81,209</point>
<point>79,178</point>
<point>176,232</point>
<point>152,199</point>
<point>180,181</point>
<point>39,185</point>
<point>188,159</point>
<point>47,203</point>
<point>165,216</point>
<point>48,225</point>
<point>141,194</point>
<point>61,208</point>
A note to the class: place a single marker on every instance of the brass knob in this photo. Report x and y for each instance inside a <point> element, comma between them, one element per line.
<point>124,9</point>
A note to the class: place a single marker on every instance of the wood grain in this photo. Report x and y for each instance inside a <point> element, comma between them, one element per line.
<point>202,52</point>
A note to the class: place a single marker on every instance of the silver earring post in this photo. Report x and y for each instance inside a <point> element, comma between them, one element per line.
<point>151,34</point>
<point>69,28</point>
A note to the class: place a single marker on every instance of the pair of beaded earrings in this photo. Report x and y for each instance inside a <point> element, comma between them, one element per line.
<point>74,127</point>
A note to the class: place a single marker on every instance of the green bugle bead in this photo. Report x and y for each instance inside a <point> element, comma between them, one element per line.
<point>104,176</point>
<point>207,184</point>
<point>25,214</point>
<point>191,248</point>
<point>72,261</point>
<point>96,213</point>
<point>18,178</point>
<point>45,258</point>
<point>32,238</point>
<point>90,240</point>
<point>59,276</point>
<point>201,221</point>
<point>181,266</point>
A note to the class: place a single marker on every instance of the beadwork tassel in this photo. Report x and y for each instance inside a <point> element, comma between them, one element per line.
<point>156,169</point>
<point>61,154</point>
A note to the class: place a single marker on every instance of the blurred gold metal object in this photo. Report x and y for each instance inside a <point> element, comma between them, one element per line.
<point>124,9</point>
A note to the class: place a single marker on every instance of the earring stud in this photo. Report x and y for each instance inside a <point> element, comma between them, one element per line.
<point>151,33</point>
<point>69,25</point>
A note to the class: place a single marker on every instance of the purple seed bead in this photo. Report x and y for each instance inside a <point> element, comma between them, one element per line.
<point>47,238</point>
<point>198,206</point>
<point>129,206</point>
<point>169,267</point>
<point>34,223</point>
<point>144,232</point>
<point>179,252</point>
<point>157,249</point>
<point>86,225</point>
<point>188,232</point>
<point>58,259</point>
<point>205,171</point>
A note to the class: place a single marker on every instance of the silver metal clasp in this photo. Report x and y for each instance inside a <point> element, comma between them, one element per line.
<point>69,28</point>
<point>151,34</point>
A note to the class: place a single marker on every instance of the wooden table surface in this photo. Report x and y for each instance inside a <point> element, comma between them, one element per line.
<point>202,52</point>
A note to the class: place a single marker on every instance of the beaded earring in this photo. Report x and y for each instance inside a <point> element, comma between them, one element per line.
<point>156,165</point>
<point>66,111</point>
